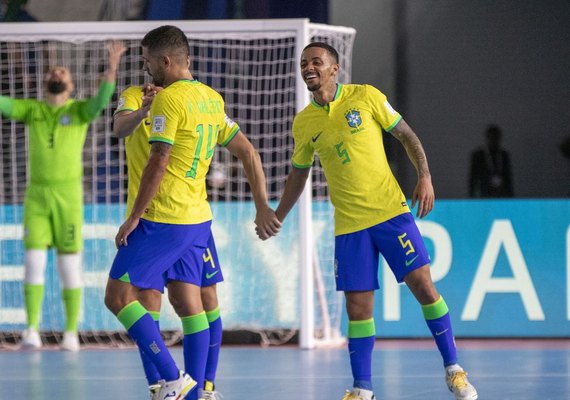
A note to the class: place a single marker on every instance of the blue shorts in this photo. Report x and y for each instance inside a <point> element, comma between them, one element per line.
<point>154,247</point>
<point>357,254</point>
<point>211,272</point>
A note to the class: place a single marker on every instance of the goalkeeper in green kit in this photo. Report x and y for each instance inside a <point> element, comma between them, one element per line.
<point>53,203</point>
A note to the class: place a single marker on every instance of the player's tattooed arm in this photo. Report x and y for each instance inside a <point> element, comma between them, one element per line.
<point>423,193</point>
<point>404,133</point>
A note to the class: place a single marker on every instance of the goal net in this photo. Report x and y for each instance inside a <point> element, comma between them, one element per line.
<point>254,65</point>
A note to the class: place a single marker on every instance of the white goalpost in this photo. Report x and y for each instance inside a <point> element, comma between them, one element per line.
<point>276,288</point>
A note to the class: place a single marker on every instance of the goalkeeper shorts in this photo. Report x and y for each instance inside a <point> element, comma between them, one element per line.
<point>53,217</point>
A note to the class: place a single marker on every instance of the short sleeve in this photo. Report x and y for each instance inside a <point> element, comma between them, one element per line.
<point>164,116</point>
<point>304,152</point>
<point>383,112</point>
<point>228,130</point>
<point>130,99</point>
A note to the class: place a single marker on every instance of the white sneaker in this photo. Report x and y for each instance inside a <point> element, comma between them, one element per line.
<point>154,389</point>
<point>209,392</point>
<point>177,389</point>
<point>70,341</point>
<point>30,340</point>
<point>359,394</point>
<point>456,379</point>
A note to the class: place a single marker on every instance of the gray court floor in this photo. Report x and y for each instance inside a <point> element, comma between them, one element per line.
<point>410,370</point>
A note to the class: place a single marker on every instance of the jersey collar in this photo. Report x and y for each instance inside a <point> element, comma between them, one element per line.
<point>336,96</point>
<point>193,81</point>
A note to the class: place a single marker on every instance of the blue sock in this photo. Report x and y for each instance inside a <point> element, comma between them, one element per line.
<point>196,342</point>
<point>150,371</point>
<point>146,335</point>
<point>215,322</point>
<point>361,338</point>
<point>439,323</point>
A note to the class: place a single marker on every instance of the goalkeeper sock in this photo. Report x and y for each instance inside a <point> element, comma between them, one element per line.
<point>69,270</point>
<point>150,371</point>
<point>439,323</point>
<point>35,262</point>
<point>195,344</point>
<point>72,302</point>
<point>33,298</point>
<point>215,322</point>
<point>142,328</point>
<point>361,338</point>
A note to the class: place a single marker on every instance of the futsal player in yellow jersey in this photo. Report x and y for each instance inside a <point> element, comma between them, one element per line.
<point>343,126</point>
<point>170,219</point>
<point>132,123</point>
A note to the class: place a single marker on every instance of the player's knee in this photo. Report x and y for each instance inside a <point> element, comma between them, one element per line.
<point>426,294</point>
<point>209,297</point>
<point>114,300</point>
<point>110,303</point>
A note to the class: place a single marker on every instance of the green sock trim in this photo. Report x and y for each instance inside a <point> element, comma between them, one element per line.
<point>72,302</point>
<point>131,313</point>
<point>213,314</point>
<point>33,298</point>
<point>195,323</point>
<point>361,329</point>
<point>155,315</point>
<point>435,310</point>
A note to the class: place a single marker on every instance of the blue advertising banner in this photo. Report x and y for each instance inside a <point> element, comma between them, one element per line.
<point>503,267</point>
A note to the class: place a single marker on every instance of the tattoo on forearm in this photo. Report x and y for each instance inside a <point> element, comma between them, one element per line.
<point>413,147</point>
<point>162,149</point>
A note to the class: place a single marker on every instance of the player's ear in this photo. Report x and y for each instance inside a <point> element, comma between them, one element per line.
<point>166,61</point>
<point>335,69</point>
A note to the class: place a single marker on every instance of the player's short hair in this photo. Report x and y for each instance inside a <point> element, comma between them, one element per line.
<point>331,50</point>
<point>167,39</point>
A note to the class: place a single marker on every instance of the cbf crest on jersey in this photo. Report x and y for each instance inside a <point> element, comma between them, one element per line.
<point>353,118</point>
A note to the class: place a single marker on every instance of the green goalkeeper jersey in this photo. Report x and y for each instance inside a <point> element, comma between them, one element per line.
<point>56,134</point>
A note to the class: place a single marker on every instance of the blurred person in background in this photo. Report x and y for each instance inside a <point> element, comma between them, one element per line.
<point>490,172</point>
<point>14,11</point>
<point>53,203</point>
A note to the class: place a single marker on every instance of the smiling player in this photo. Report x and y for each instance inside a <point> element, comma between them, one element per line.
<point>343,125</point>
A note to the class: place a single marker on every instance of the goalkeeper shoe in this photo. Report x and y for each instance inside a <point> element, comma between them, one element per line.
<point>209,392</point>
<point>70,341</point>
<point>176,389</point>
<point>153,390</point>
<point>31,339</point>
<point>359,394</point>
<point>456,379</point>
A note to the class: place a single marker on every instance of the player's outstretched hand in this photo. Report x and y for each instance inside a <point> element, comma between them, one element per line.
<point>266,223</point>
<point>116,49</point>
<point>424,196</point>
<point>121,239</point>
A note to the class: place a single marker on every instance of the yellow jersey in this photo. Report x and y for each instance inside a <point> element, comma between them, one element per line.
<point>137,148</point>
<point>346,134</point>
<point>190,116</point>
